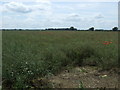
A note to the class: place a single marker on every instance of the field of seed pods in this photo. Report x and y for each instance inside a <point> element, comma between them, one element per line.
<point>27,55</point>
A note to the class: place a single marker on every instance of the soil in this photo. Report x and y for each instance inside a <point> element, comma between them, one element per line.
<point>86,77</point>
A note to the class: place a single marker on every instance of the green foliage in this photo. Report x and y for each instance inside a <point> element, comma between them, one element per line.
<point>91,29</point>
<point>81,86</point>
<point>72,28</point>
<point>31,54</point>
<point>115,29</point>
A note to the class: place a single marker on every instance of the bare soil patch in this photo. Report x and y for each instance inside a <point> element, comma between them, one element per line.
<point>89,77</point>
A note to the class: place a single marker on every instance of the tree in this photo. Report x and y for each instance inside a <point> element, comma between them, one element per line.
<point>72,28</point>
<point>115,29</point>
<point>91,29</point>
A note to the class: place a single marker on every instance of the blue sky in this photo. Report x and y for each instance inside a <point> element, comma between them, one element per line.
<point>54,14</point>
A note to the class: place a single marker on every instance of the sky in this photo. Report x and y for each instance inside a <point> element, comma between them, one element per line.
<point>41,14</point>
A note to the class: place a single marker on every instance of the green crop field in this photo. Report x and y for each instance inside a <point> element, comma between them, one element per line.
<point>27,55</point>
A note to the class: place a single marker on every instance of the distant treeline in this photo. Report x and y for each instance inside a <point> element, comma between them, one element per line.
<point>71,28</point>
<point>63,29</point>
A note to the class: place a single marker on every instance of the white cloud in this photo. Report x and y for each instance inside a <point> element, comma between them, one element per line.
<point>62,0</point>
<point>18,7</point>
<point>39,5</point>
<point>38,13</point>
<point>73,18</point>
<point>48,2</point>
<point>44,14</point>
<point>99,16</point>
<point>42,10</point>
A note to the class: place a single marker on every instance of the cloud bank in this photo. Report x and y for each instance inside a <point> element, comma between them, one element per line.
<point>18,7</point>
<point>46,13</point>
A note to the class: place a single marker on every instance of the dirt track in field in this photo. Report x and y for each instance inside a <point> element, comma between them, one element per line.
<point>87,77</point>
